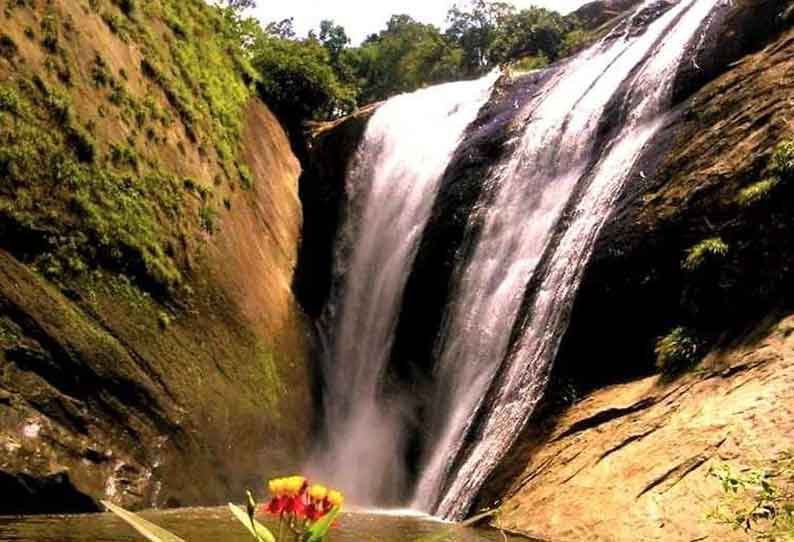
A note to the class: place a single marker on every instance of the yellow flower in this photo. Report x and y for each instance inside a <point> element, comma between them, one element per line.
<point>278,486</point>
<point>335,498</point>
<point>318,492</point>
<point>294,485</point>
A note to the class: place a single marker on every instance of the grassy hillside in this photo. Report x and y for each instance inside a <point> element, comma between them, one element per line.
<point>149,224</point>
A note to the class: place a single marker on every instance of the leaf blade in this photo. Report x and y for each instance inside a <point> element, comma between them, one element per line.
<point>259,531</point>
<point>147,529</point>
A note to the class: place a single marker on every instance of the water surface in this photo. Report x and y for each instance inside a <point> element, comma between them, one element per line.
<point>216,525</point>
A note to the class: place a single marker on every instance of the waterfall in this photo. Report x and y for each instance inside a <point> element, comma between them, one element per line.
<point>391,189</point>
<point>546,203</point>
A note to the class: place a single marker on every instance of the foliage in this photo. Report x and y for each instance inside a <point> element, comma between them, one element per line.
<point>677,351</point>
<point>297,79</point>
<point>782,163</point>
<point>305,511</point>
<point>712,249</point>
<point>758,501</point>
<point>757,192</point>
<point>475,27</point>
<point>404,56</point>
<point>9,100</point>
<point>147,529</point>
<point>533,32</point>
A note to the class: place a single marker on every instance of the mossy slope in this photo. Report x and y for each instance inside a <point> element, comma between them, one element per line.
<point>151,346</point>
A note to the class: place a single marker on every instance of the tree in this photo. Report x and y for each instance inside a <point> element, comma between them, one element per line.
<point>405,56</point>
<point>474,27</point>
<point>298,81</point>
<point>284,29</point>
<point>334,39</point>
<point>240,5</point>
<point>535,32</point>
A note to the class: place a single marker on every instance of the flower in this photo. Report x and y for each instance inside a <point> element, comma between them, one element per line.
<point>296,498</point>
<point>336,498</point>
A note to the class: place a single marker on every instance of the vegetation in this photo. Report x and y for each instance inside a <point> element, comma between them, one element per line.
<point>757,192</point>
<point>305,513</point>
<point>758,501</point>
<point>708,250</point>
<point>89,177</point>
<point>322,76</point>
<point>677,351</point>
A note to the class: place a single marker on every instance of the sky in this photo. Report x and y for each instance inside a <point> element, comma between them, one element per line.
<point>363,17</point>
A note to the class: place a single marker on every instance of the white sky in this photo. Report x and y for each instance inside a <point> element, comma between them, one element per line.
<point>363,17</point>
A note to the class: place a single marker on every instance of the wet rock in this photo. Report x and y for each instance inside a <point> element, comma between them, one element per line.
<point>55,494</point>
<point>329,152</point>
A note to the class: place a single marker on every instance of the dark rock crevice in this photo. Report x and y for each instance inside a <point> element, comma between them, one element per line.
<point>53,494</point>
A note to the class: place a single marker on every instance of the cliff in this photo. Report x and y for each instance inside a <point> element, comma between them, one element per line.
<point>618,451</point>
<point>152,351</point>
<point>641,446</point>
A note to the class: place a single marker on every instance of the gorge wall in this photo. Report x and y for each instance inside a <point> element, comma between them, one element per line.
<point>605,414</point>
<point>151,349</point>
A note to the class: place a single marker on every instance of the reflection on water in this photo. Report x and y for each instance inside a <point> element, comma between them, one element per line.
<point>217,525</point>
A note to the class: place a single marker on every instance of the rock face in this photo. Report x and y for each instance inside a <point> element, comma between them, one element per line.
<point>630,462</point>
<point>182,379</point>
<point>329,153</point>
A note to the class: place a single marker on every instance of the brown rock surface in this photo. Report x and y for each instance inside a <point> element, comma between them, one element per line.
<point>630,462</point>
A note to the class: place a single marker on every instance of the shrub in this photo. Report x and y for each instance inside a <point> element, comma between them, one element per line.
<point>298,81</point>
<point>528,64</point>
<point>756,192</point>
<point>677,351</point>
<point>707,250</point>
<point>758,501</point>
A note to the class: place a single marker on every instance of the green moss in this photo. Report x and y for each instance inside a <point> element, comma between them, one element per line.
<point>782,163</point>
<point>81,200</point>
<point>757,192</point>
<point>123,156</point>
<point>100,73</point>
<point>208,219</point>
<point>246,179</point>
<point>82,143</point>
<point>163,320</point>
<point>9,100</point>
<point>707,250</point>
<point>677,351</point>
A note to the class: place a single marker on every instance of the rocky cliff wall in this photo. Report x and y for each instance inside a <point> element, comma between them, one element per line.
<point>151,349</point>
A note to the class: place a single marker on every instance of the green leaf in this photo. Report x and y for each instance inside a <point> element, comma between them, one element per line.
<point>149,530</point>
<point>317,532</point>
<point>260,532</point>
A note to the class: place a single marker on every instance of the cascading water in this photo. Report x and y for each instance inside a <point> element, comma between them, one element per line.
<point>392,186</point>
<point>555,167</point>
